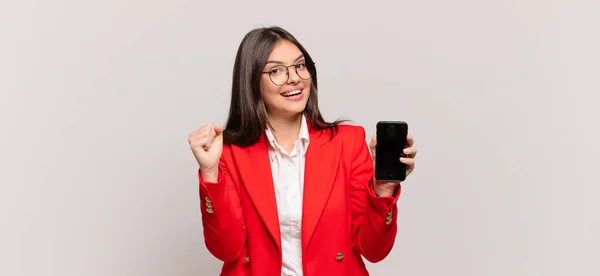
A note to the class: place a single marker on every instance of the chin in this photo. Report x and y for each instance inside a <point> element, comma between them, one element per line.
<point>293,112</point>
<point>289,110</point>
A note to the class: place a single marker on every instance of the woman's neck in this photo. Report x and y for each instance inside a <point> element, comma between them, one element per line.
<point>285,129</point>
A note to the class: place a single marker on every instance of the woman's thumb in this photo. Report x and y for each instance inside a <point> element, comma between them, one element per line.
<point>218,129</point>
<point>373,144</point>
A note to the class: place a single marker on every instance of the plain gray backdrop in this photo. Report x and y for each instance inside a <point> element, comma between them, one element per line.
<point>98,99</point>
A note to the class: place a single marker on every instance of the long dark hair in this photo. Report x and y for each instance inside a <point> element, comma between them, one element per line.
<point>247,118</point>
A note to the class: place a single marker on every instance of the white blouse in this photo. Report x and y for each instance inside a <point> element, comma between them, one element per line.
<point>288,178</point>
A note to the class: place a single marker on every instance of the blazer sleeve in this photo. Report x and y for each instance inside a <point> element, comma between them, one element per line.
<point>222,217</point>
<point>373,218</point>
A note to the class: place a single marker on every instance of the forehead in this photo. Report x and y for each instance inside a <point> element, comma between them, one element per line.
<point>285,51</point>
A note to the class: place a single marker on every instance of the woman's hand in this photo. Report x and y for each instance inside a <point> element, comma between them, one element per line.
<point>207,145</point>
<point>387,188</point>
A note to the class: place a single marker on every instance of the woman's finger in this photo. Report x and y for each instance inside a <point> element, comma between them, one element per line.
<point>409,140</point>
<point>407,161</point>
<point>201,136</point>
<point>410,164</point>
<point>373,145</point>
<point>410,152</point>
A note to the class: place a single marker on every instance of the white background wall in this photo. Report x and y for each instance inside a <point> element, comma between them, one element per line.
<point>98,98</point>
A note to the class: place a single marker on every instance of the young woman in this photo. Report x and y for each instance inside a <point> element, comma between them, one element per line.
<point>282,191</point>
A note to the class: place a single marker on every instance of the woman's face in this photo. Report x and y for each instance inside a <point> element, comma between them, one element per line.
<point>285,94</point>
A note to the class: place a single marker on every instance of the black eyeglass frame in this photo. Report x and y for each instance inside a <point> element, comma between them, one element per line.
<point>287,73</point>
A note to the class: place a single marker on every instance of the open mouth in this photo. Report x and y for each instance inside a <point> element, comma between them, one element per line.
<point>292,93</point>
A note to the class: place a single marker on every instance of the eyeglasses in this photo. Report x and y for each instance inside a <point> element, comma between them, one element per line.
<point>280,74</point>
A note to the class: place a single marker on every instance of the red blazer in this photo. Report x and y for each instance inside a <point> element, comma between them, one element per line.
<point>342,218</point>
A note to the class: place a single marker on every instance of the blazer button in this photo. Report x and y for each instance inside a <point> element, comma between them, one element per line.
<point>210,210</point>
<point>209,205</point>
<point>207,199</point>
<point>246,258</point>
<point>339,256</point>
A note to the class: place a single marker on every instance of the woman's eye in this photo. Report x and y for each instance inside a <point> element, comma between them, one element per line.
<point>275,71</point>
<point>300,65</point>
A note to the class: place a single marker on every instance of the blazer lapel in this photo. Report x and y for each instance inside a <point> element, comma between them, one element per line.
<point>255,171</point>
<point>321,163</point>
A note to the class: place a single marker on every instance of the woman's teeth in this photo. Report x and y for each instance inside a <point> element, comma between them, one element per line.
<point>292,93</point>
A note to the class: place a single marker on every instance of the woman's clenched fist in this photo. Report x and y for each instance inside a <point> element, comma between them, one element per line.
<point>207,145</point>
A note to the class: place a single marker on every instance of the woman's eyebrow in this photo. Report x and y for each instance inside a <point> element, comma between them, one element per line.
<point>279,62</point>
